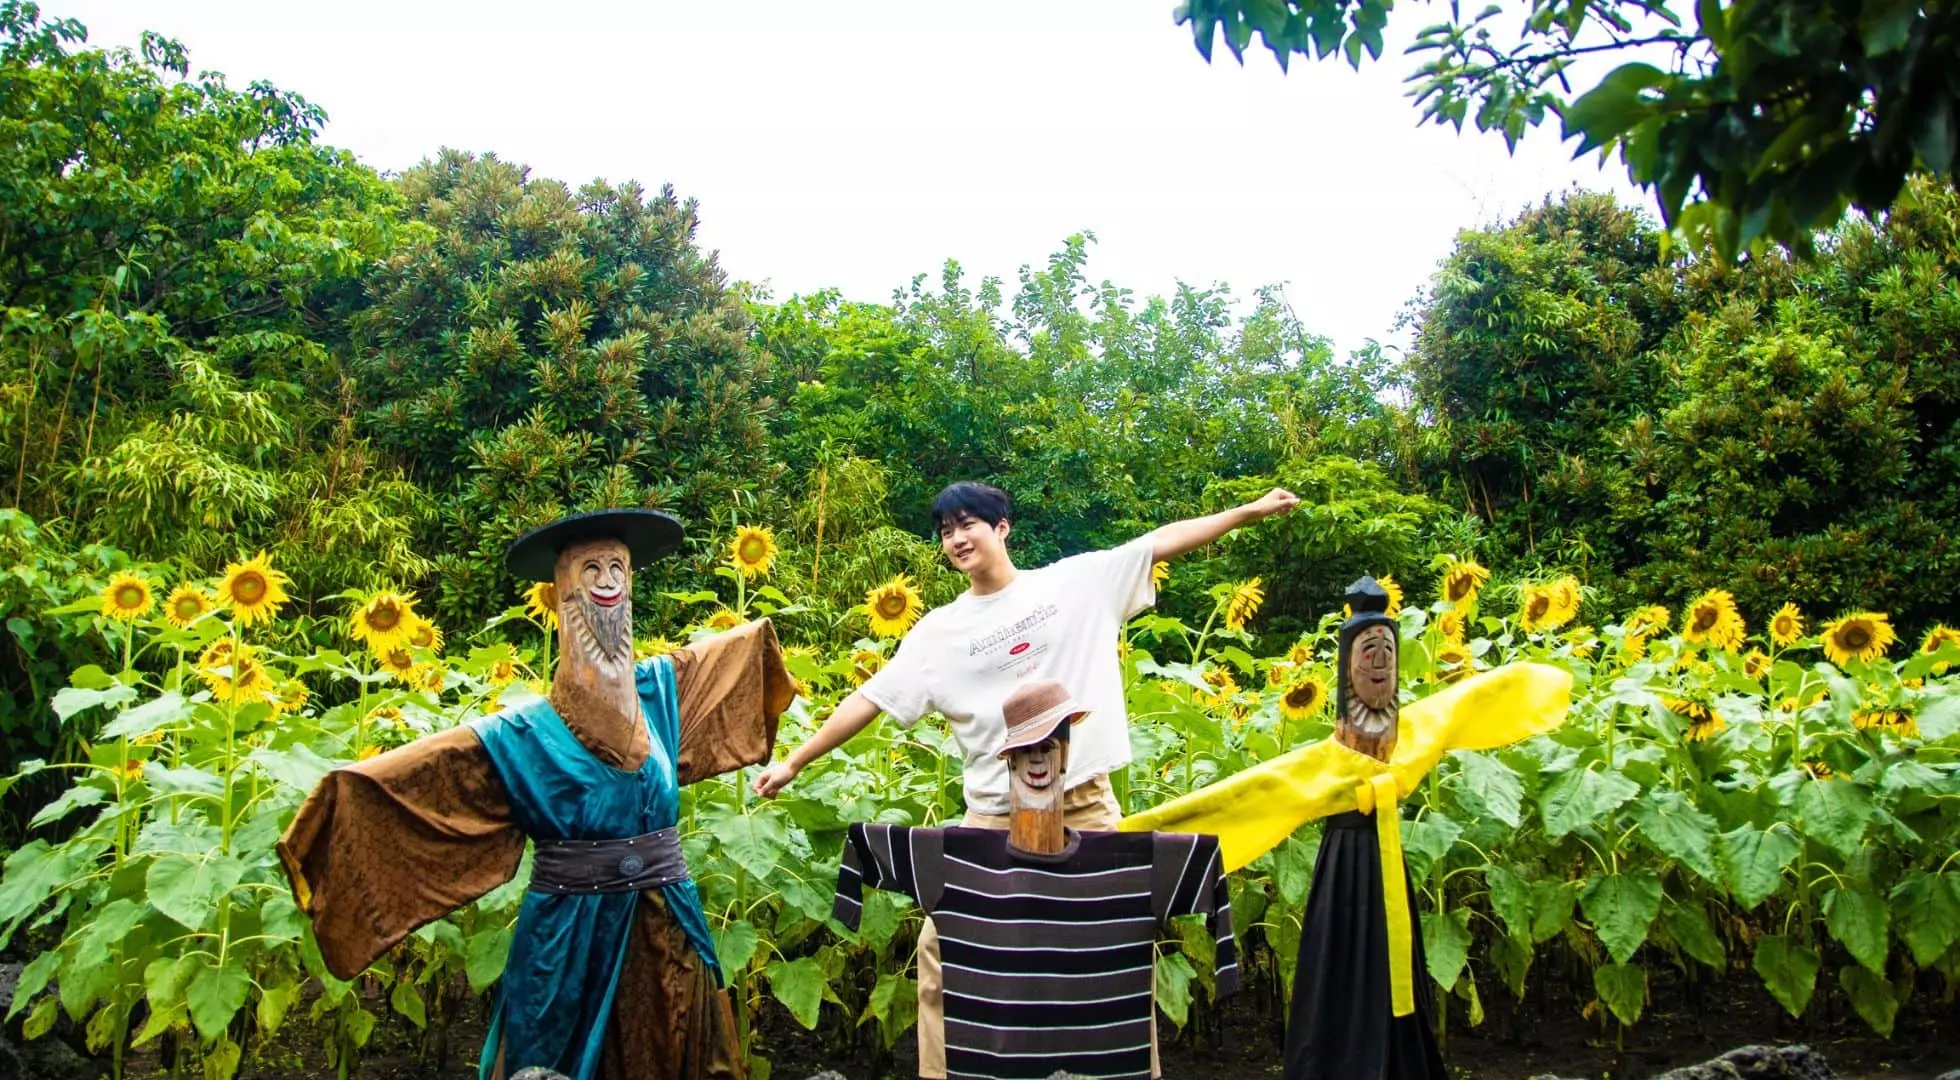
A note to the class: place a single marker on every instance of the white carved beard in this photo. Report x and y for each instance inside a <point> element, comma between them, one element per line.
<point>1369,720</point>
<point>603,634</point>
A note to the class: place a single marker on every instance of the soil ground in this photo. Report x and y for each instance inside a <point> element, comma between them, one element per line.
<point>1242,1041</point>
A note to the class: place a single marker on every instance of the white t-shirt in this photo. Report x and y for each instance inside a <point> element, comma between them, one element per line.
<point>1061,622</point>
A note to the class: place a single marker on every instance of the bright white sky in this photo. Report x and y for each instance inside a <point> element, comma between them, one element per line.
<point>853,145</point>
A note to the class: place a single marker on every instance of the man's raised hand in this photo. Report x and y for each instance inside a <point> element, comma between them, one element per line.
<point>1276,501</point>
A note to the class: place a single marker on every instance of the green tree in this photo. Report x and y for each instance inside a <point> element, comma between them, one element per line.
<point>1769,118</point>
<point>534,349</point>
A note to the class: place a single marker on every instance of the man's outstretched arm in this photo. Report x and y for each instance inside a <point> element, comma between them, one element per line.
<point>1178,537</point>
<point>850,716</point>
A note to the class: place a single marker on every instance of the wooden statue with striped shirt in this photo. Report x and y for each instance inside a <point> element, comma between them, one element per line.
<point>1047,935</point>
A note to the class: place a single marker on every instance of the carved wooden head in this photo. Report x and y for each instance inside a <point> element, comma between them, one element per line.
<point>1367,693</point>
<point>595,606</point>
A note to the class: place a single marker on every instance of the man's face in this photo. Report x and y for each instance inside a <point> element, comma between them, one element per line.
<point>971,544</point>
<point>1035,772</point>
<point>595,590</point>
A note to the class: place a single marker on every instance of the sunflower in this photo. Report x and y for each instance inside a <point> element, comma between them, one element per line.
<point>127,597</point>
<point>1940,637</point>
<point>1582,640</point>
<point>1224,687</point>
<point>648,648</point>
<point>1307,696</point>
<point>1548,606</point>
<point>367,752</point>
<point>1817,769</point>
<point>186,605</point>
<point>541,604</point>
<point>1897,721</point>
<point>1394,591</point>
<point>1300,653</point>
<point>384,716</point>
<point>215,656</point>
<point>289,697</point>
<point>752,550</point>
<point>1633,648</point>
<point>864,664</point>
<point>503,671</point>
<point>1712,618</point>
<point>1160,572</point>
<point>1791,704</point>
<point>1453,661</point>
<point>723,619</point>
<point>425,635</point>
<point>1461,580</point>
<point>384,622</point>
<point>1648,621</point>
<point>1243,603</point>
<point>1703,722</point>
<point>1565,599</point>
<point>428,678</point>
<point>399,661</point>
<point>893,607</point>
<point>253,590</point>
<point>1450,625</point>
<point>1755,663</point>
<point>1786,626</point>
<point>249,680</point>
<point>1864,636</point>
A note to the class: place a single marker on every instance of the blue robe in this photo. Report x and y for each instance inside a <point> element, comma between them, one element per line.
<point>559,982</point>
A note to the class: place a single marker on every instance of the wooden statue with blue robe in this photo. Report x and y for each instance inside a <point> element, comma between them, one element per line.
<point>611,972</point>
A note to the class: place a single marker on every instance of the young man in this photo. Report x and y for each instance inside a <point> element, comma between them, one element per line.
<point>1061,622</point>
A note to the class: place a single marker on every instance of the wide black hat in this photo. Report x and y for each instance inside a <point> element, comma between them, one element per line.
<point>647,534</point>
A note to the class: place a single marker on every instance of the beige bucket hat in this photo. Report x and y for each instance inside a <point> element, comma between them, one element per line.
<point>1033,712</point>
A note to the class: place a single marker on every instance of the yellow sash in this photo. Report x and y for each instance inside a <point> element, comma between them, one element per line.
<point>1252,811</point>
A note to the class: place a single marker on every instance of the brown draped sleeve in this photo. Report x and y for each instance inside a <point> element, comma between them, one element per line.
<point>385,845</point>
<point>733,689</point>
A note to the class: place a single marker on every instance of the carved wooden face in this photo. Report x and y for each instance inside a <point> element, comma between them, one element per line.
<point>1371,668</point>
<point>1035,772</point>
<point>595,603</point>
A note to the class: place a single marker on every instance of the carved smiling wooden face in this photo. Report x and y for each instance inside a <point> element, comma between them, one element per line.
<point>595,599</point>
<point>1371,666</point>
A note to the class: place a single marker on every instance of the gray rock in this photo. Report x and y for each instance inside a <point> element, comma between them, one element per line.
<point>1759,1063</point>
<point>538,1072</point>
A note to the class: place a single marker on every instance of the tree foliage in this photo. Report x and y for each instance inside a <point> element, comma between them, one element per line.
<point>1769,118</point>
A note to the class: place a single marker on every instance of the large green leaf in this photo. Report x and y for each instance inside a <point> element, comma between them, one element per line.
<point>1835,812</point>
<point>895,1003</point>
<point>33,979</point>
<point>1446,944</point>
<point>70,700</point>
<point>483,957</point>
<point>30,877</point>
<point>1623,987</point>
<point>1789,969</point>
<point>159,712</point>
<point>1871,995</point>
<point>1582,798</point>
<point>757,842</point>
<point>407,1001</point>
<point>1621,908</point>
<point>1859,922</point>
<point>1173,987</point>
<point>735,946</point>
<point>1929,913</point>
<point>215,996</point>
<point>1426,841</point>
<point>1753,860</point>
<point>1673,826</point>
<point>1293,869</point>
<point>1492,787</point>
<point>189,889</point>
<point>1510,900</point>
<point>798,984</point>
<point>1687,924</point>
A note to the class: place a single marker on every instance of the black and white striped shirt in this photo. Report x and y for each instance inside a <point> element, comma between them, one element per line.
<point>1047,958</point>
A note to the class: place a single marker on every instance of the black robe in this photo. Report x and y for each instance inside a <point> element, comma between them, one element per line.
<point>1341,1024</point>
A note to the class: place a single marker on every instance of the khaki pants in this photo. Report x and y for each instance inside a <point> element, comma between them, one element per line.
<point>1090,805</point>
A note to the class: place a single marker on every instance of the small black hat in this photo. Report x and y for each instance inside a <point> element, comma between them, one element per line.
<point>647,534</point>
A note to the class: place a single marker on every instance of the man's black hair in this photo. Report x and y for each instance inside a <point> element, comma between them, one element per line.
<point>984,501</point>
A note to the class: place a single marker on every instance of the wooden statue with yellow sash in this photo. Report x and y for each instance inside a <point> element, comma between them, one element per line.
<point>1362,1002</point>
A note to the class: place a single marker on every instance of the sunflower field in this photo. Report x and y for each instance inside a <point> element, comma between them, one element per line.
<point>1773,803</point>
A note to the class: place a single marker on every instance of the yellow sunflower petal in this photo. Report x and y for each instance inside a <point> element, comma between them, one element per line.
<point>893,607</point>
<point>127,597</point>
<point>253,590</point>
<point>752,551</point>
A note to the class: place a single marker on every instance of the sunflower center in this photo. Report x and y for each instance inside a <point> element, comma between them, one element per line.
<point>1456,589</point>
<point>1301,697</point>
<point>249,588</point>
<point>423,637</point>
<point>1705,619</point>
<point>890,606</point>
<point>1538,607</point>
<point>1855,637</point>
<point>752,550</point>
<point>188,607</point>
<point>129,596</point>
<point>385,617</point>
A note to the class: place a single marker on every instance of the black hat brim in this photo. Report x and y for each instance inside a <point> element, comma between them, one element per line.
<point>647,534</point>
